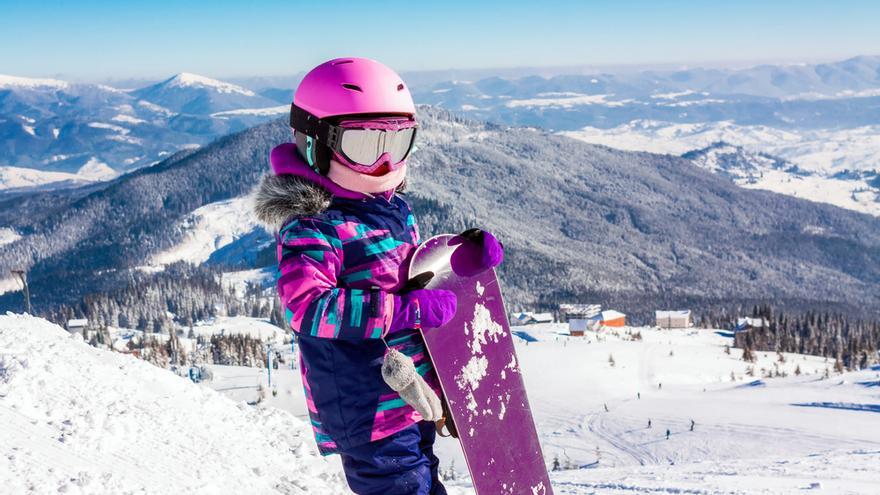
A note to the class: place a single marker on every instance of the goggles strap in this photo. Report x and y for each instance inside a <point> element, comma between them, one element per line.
<point>308,124</point>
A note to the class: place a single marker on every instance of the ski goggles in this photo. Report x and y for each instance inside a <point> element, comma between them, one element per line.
<point>363,144</point>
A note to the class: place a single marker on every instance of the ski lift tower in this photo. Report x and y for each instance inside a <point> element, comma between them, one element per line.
<point>22,277</point>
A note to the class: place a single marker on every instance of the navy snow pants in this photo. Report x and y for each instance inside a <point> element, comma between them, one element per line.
<point>401,464</point>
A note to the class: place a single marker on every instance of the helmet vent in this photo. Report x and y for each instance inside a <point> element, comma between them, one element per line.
<point>400,87</point>
<point>340,62</point>
<point>353,87</point>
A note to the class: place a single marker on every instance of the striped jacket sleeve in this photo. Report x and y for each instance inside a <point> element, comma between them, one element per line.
<point>309,264</point>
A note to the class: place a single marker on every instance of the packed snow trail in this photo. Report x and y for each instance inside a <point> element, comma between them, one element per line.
<point>76,419</point>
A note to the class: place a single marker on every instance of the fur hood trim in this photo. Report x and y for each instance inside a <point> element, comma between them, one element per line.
<point>279,198</point>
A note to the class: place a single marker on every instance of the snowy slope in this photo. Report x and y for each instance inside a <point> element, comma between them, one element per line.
<point>81,420</point>
<point>835,166</point>
<point>852,190</point>
<point>823,150</point>
<point>208,229</point>
<point>74,419</point>
<point>199,95</point>
<point>17,178</point>
<point>752,434</point>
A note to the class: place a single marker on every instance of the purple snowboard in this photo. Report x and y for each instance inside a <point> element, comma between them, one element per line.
<point>479,373</point>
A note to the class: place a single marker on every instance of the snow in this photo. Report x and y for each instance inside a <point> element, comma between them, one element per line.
<point>472,373</point>
<point>17,178</point>
<point>821,156</point>
<point>780,437</point>
<point>241,325</point>
<point>89,421</point>
<point>12,178</point>
<point>96,170</point>
<point>849,194</point>
<point>109,127</point>
<point>824,150</point>
<point>8,236</point>
<point>155,108</point>
<point>566,100</point>
<point>208,229</point>
<point>750,438</point>
<point>257,112</point>
<point>239,280</point>
<point>75,419</point>
<point>188,80</point>
<point>483,328</point>
<point>128,119</point>
<point>673,95</point>
<point>14,82</point>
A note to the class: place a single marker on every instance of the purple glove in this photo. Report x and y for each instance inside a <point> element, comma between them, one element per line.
<point>492,251</point>
<point>422,308</point>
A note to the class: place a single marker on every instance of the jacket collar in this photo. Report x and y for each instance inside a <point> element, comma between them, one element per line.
<point>295,190</point>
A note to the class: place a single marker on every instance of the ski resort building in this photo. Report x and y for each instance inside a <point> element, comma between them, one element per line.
<point>79,325</point>
<point>580,317</point>
<point>577,326</point>
<point>674,319</point>
<point>611,318</point>
<point>529,318</point>
<point>748,323</point>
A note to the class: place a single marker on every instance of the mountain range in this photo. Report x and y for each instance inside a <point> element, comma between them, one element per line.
<point>50,125</point>
<point>822,118</point>
<point>581,223</point>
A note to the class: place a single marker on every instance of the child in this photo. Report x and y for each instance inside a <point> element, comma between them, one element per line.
<point>345,237</point>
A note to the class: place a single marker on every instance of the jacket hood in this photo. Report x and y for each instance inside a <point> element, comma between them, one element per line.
<point>279,198</point>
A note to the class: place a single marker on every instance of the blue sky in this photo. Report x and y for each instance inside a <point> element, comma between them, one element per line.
<point>95,40</point>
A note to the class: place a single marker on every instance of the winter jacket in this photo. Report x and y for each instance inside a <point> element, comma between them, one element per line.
<point>339,262</point>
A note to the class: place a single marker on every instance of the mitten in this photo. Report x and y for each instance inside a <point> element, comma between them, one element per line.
<point>400,374</point>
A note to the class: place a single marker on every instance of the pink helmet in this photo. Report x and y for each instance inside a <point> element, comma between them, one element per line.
<point>346,86</point>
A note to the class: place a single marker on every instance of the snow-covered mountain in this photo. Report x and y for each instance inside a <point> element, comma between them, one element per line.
<point>735,162</point>
<point>626,227</point>
<point>821,117</point>
<point>827,112</point>
<point>854,190</point>
<point>198,95</point>
<point>835,166</point>
<point>15,179</point>
<point>49,125</point>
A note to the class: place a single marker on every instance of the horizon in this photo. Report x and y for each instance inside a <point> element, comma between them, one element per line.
<point>99,41</point>
<point>490,71</point>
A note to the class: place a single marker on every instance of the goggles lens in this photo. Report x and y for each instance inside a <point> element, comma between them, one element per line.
<point>364,146</point>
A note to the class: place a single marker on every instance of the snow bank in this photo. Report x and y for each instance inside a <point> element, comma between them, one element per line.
<point>76,419</point>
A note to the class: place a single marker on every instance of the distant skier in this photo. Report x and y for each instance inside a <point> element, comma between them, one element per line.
<point>638,395</point>
<point>606,407</point>
<point>649,423</point>
<point>668,433</point>
<point>344,235</point>
<point>660,386</point>
<point>692,425</point>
